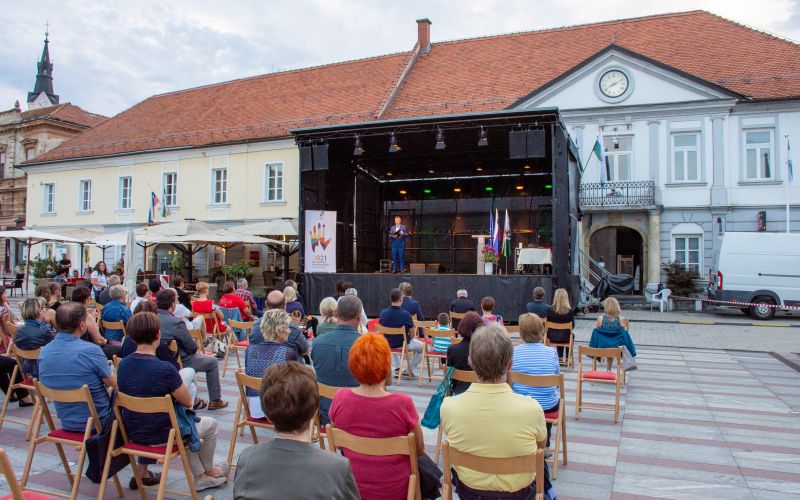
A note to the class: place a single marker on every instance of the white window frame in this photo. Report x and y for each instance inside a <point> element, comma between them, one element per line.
<point>684,151</point>
<point>613,159</point>
<point>31,150</point>
<point>219,196</point>
<point>760,148</point>
<point>84,204</point>
<point>275,194</point>
<point>167,195</point>
<point>49,199</point>
<point>686,250</point>
<point>121,192</point>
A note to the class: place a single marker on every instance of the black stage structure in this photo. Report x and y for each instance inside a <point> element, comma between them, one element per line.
<point>444,175</point>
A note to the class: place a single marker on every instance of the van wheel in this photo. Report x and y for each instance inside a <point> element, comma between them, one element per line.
<point>762,312</point>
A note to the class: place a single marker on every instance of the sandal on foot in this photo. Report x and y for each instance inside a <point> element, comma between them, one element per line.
<point>200,404</point>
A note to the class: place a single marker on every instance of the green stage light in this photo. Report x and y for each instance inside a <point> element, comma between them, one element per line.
<point>548,186</point>
<point>489,188</point>
<point>426,191</point>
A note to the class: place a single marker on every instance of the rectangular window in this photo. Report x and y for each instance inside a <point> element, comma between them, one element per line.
<point>170,183</point>
<point>274,182</point>
<point>219,178</point>
<point>758,156</point>
<point>85,196</point>
<point>2,165</point>
<point>687,251</point>
<point>125,192</point>
<point>686,157</point>
<point>49,198</point>
<point>619,152</point>
<point>29,153</point>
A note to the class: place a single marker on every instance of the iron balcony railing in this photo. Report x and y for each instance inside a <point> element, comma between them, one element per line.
<point>617,194</point>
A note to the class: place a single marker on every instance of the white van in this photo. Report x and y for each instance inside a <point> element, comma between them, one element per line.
<point>758,268</point>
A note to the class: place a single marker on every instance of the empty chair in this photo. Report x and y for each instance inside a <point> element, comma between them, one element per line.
<point>599,377</point>
<point>662,299</point>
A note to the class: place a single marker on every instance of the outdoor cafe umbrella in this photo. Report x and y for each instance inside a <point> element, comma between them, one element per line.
<point>287,228</point>
<point>86,235</point>
<point>130,266</point>
<point>32,237</point>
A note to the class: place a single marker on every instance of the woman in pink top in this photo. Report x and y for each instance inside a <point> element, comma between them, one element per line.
<point>487,306</point>
<point>203,305</point>
<point>370,411</point>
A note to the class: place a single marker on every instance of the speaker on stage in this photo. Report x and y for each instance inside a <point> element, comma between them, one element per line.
<point>306,161</point>
<point>385,266</point>
<point>417,268</point>
<point>535,143</point>
<point>320,156</point>
<point>516,144</point>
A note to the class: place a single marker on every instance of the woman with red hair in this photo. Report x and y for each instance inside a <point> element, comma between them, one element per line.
<point>370,411</point>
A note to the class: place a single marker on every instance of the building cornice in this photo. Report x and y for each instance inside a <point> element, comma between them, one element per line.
<point>648,111</point>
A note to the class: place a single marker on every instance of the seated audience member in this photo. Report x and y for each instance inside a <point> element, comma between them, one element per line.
<point>487,306</point>
<point>105,296</point>
<point>259,357</point>
<point>81,295</point>
<point>538,306</point>
<point>183,296</point>
<point>370,411</point>
<point>204,305</point>
<point>21,396</point>
<point>8,322</point>
<point>331,350</point>
<point>611,329</point>
<point>246,295</point>
<point>560,313</point>
<point>327,309</point>
<point>461,305</point>
<point>55,296</point>
<point>295,468</point>
<point>43,292</point>
<point>440,344</point>
<point>395,316</point>
<point>155,287</point>
<point>115,310</point>
<point>458,354</point>
<point>339,291</point>
<point>34,333</point>
<point>142,292</point>
<point>410,304</point>
<point>293,284</point>
<point>173,328</point>
<point>143,375</point>
<point>293,306</point>
<point>296,340</point>
<point>362,327</point>
<point>532,357</point>
<point>482,406</point>
<point>230,300</point>
<point>69,363</point>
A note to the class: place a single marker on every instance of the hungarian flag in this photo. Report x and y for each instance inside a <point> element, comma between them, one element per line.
<point>507,237</point>
<point>605,168</point>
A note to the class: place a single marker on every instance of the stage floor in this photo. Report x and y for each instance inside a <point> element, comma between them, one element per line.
<point>434,291</point>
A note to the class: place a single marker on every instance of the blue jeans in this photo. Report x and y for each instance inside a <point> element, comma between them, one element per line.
<point>398,257</point>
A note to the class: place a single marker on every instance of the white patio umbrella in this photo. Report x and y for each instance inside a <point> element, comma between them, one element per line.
<point>130,266</point>
<point>273,227</point>
<point>86,236</point>
<point>32,237</point>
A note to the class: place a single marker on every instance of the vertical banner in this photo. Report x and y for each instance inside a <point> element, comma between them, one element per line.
<point>320,249</point>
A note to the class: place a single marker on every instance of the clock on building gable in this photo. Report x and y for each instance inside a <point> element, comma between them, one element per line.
<point>613,84</point>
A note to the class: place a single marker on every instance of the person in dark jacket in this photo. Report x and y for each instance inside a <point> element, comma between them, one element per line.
<point>538,306</point>
<point>458,354</point>
<point>34,333</point>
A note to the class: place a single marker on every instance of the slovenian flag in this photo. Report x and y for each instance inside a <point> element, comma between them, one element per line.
<point>491,229</point>
<point>151,213</point>
<point>599,152</point>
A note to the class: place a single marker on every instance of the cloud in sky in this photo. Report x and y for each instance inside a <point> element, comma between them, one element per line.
<point>111,55</point>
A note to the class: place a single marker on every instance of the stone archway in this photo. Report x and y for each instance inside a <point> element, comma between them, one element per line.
<point>621,247</point>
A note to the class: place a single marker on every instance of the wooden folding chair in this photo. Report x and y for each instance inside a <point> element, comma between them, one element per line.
<point>163,454</point>
<point>115,360</point>
<point>243,418</point>
<point>461,376</point>
<point>61,437</point>
<point>556,418</point>
<point>568,354</point>
<point>419,323</point>
<point>173,347</point>
<point>455,315</point>
<point>98,307</point>
<point>26,384</point>
<point>17,491</point>
<point>513,333</point>
<point>594,376</point>
<point>233,344</point>
<point>512,465</point>
<point>199,337</point>
<point>325,391</point>
<point>113,325</point>
<point>402,351</point>
<point>428,352</point>
<point>380,447</point>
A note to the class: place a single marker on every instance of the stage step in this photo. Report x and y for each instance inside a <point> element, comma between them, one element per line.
<point>632,301</point>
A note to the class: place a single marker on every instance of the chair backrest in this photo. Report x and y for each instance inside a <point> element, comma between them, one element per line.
<point>115,360</point>
<point>511,465</point>
<point>549,325</point>
<point>665,293</point>
<point>173,347</point>
<point>198,336</point>
<point>244,381</point>
<point>158,404</point>
<point>242,327</point>
<point>13,485</point>
<point>555,380</point>
<point>512,329</point>
<point>231,313</point>
<point>79,395</point>
<point>424,324</point>
<point>328,391</point>
<point>465,376</point>
<point>455,315</point>
<point>607,352</point>
<point>380,447</point>
<point>390,330</point>
<point>113,325</point>
<point>441,334</point>
<point>212,319</point>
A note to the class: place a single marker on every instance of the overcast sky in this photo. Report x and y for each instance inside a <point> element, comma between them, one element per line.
<point>111,55</point>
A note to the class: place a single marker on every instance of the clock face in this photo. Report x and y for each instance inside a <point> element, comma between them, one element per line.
<point>42,101</point>
<point>614,83</point>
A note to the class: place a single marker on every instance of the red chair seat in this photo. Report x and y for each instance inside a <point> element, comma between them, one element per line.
<point>29,495</point>
<point>551,415</point>
<point>243,343</point>
<point>262,420</point>
<point>591,375</point>
<point>28,382</point>
<point>62,434</point>
<point>372,325</point>
<point>160,450</point>
<point>397,350</point>
<point>438,354</point>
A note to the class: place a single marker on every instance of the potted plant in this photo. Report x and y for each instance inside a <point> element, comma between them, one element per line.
<point>239,269</point>
<point>260,296</point>
<point>490,258</point>
<point>42,269</point>
<point>681,280</point>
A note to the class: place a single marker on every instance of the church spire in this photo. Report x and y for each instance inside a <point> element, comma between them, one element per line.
<point>43,94</point>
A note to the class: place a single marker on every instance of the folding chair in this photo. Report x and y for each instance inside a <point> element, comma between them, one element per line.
<point>113,325</point>
<point>458,316</point>
<point>594,376</point>
<point>61,437</point>
<point>557,417</point>
<point>173,347</point>
<point>402,351</point>
<point>241,421</point>
<point>17,491</point>
<point>26,384</point>
<point>380,447</point>
<point>461,376</point>
<point>514,333</point>
<point>511,465</point>
<point>568,356</point>
<point>233,314</point>
<point>115,360</point>
<point>233,343</point>
<point>164,454</point>
<point>199,337</point>
<point>325,391</point>
<point>98,307</point>
<point>428,352</point>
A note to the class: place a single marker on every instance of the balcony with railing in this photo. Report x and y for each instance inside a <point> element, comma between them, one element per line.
<point>618,195</point>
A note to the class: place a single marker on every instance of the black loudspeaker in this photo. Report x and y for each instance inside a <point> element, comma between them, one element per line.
<point>320,157</point>
<point>516,144</point>
<point>535,143</point>
<point>306,163</point>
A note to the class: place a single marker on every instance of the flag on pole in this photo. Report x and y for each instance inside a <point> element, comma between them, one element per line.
<point>491,229</point>
<point>789,161</point>
<point>599,152</point>
<point>507,237</point>
<point>151,213</point>
<point>164,208</point>
<point>496,233</point>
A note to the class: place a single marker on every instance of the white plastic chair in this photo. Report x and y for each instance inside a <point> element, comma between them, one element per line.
<point>662,299</point>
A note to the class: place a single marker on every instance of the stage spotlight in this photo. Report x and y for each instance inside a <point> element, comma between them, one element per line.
<point>520,187</point>
<point>548,186</point>
<point>393,147</point>
<point>527,167</point>
<point>388,174</point>
<point>426,191</point>
<point>489,188</point>
<point>483,140</point>
<point>440,145</point>
<point>456,189</point>
<point>403,192</point>
<point>431,172</point>
<point>358,149</point>
<point>479,168</point>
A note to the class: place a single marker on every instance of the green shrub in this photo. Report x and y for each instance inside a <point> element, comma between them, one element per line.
<point>680,280</point>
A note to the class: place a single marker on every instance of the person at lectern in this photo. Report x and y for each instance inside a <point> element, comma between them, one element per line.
<point>398,234</point>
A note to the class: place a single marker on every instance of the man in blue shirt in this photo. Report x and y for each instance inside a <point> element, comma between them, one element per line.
<point>395,316</point>
<point>114,311</point>
<point>69,363</point>
<point>398,234</point>
<point>538,307</point>
<point>332,351</point>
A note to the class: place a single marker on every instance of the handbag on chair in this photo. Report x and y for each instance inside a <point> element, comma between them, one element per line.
<point>431,419</point>
<point>628,362</point>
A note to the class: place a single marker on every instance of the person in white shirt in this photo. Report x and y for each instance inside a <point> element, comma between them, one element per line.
<point>142,292</point>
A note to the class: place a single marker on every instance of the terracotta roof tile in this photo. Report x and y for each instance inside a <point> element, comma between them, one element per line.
<point>66,112</point>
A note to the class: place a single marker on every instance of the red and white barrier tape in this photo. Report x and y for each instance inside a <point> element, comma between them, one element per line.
<point>738,304</point>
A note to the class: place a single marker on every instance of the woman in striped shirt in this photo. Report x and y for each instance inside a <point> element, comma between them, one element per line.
<point>532,357</point>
